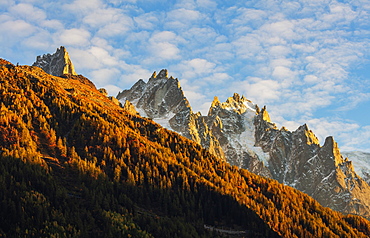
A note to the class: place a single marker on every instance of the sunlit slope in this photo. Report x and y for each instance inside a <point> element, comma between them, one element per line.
<point>74,163</point>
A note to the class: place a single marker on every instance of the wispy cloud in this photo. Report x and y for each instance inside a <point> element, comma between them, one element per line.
<point>298,58</point>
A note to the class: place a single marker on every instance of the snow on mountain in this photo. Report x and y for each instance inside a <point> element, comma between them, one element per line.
<point>361,162</point>
<point>238,131</point>
<point>163,100</point>
<point>232,123</point>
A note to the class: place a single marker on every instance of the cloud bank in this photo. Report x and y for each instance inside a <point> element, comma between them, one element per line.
<point>305,60</point>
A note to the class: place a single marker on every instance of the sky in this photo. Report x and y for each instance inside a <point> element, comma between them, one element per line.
<point>308,61</point>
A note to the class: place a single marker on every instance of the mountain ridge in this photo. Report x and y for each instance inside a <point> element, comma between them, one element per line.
<point>82,166</point>
<point>244,135</point>
<point>228,131</point>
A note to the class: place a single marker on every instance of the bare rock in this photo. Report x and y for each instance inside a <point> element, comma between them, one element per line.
<point>56,64</point>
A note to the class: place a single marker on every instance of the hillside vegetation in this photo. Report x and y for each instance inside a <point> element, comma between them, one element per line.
<point>74,164</point>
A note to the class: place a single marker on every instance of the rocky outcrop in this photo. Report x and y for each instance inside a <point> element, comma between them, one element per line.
<point>361,162</point>
<point>244,135</point>
<point>297,159</point>
<point>129,107</point>
<point>163,100</point>
<point>56,64</point>
<point>103,91</point>
<point>231,122</point>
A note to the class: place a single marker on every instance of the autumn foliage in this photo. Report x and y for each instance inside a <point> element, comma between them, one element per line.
<point>74,164</point>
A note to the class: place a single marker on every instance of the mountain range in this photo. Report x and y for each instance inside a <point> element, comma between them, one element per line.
<point>241,133</point>
<point>76,163</point>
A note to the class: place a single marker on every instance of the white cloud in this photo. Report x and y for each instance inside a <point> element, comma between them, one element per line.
<point>165,50</point>
<point>164,36</point>
<point>52,24</point>
<point>297,57</point>
<point>83,7</point>
<point>258,90</point>
<point>208,4</point>
<point>279,51</point>
<point>102,16</point>
<point>103,56</point>
<point>105,76</point>
<point>311,78</point>
<point>194,99</point>
<point>253,17</point>
<point>163,45</point>
<point>220,52</point>
<point>83,59</point>
<point>186,4</point>
<point>112,90</point>
<point>281,29</point>
<point>131,74</point>
<point>249,47</point>
<point>281,73</point>
<point>99,56</point>
<point>324,127</point>
<point>217,78</point>
<point>73,37</point>
<point>16,29</point>
<point>198,67</point>
<point>182,18</point>
<point>6,3</point>
<point>41,41</point>
<point>339,13</point>
<point>27,12</point>
<point>109,22</point>
<point>148,21</point>
<point>184,15</point>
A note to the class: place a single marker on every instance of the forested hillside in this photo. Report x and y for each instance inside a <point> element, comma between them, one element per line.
<point>74,164</point>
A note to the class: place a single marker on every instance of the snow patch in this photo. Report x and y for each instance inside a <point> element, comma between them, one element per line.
<point>165,121</point>
<point>250,106</point>
<point>246,139</point>
<point>360,160</point>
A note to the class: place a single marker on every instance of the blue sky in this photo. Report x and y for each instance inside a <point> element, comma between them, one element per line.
<point>306,60</point>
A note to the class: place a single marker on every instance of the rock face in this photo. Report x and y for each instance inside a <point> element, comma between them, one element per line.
<point>163,100</point>
<point>297,159</point>
<point>56,64</point>
<point>232,123</point>
<point>240,132</point>
<point>361,162</point>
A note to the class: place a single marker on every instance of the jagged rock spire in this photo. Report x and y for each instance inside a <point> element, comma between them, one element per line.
<point>56,64</point>
<point>163,74</point>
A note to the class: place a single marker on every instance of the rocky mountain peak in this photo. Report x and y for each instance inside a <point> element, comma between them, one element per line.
<point>238,131</point>
<point>265,115</point>
<point>160,97</point>
<point>56,64</point>
<point>310,137</point>
<point>154,75</point>
<point>236,103</point>
<point>331,147</point>
<point>215,102</point>
<point>163,74</point>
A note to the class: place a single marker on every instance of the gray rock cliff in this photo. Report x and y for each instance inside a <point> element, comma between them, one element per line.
<point>238,131</point>
<point>163,100</point>
<point>56,64</point>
